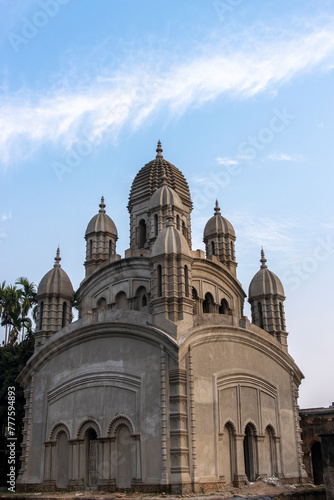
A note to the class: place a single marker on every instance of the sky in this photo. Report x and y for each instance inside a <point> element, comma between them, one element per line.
<point>240,93</point>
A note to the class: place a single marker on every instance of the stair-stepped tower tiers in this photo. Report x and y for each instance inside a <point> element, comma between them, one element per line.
<point>151,178</point>
<point>55,297</point>
<point>101,237</point>
<point>219,238</point>
<point>266,297</point>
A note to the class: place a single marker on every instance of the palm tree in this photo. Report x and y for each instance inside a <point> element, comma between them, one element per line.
<point>28,300</point>
<point>11,308</point>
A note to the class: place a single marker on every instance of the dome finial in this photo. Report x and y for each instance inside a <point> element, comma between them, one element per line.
<point>217,208</point>
<point>102,206</point>
<point>263,260</point>
<point>159,150</point>
<point>57,258</point>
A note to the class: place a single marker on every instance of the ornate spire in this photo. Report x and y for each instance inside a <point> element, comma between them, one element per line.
<point>57,258</point>
<point>163,177</point>
<point>102,206</point>
<point>263,260</point>
<point>217,208</point>
<point>159,150</point>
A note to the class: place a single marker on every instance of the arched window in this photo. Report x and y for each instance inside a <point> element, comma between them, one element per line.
<point>159,280</point>
<point>63,321</point>
<point>259,308</point>
<point>223,308</point>
<point>232,253</point>
<point>184,229</point>
<point>208,304</point>
<point>41,309</point>
<point>142,233</point>
<point>213,251</point>
<point>110,248</point>
<point>178,222</point>
<point>141,298</point>
<point>156,227</point>
<point>186,280</point>
<point>90,249</point>
<point>281,313</point>
<point>121,301</point>
<point>101,303</point>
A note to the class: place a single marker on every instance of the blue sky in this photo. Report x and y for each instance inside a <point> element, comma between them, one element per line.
<point>241,95</point>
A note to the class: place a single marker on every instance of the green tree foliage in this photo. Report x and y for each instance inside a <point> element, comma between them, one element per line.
<point>16,305</point>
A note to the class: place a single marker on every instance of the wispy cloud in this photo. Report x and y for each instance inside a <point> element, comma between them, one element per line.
<point>5,217</point>
<point>284,157</point>
<point>271,234</point>
<point>226,161</point>
<point>131,96</point>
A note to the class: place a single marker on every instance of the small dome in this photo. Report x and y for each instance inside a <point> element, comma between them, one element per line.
<point>56,282</point>
<point>218,225</point>
<point>265,282</point>
<point>147,180</point>
<point>170,240</point>
<point>165,196</point>
<point>101,222</point>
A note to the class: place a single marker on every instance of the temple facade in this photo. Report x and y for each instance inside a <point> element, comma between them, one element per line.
<point>162,384</point>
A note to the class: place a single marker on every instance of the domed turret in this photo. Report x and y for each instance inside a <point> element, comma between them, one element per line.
<point>158,184</point>
<point>55,296</point>
<point>266,297</point>
<point>219,238</point>
<point>101,237</point>
<point>171,273</point>
<point>170,240</point>
<point>164,199</point>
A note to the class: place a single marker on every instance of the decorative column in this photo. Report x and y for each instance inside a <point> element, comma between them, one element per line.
<point>179,449</point>
<point>240,477</point>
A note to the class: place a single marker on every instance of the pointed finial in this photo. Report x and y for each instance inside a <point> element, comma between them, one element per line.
<point>170,217</point>
<point>159,150</point>
<point>163,177</point>
<point>263,260</point>
<point>217,209</point>
<point>57,258</point>
<point>102,206</point>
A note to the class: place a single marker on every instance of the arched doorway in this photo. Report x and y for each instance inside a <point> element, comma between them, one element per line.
<point>318,473</point>
<point>124,457</point>
<point>228,454</point>
<point>62,454</point>
<point>250,455</point>
<point>269,449</point>
<point>91,445</point>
